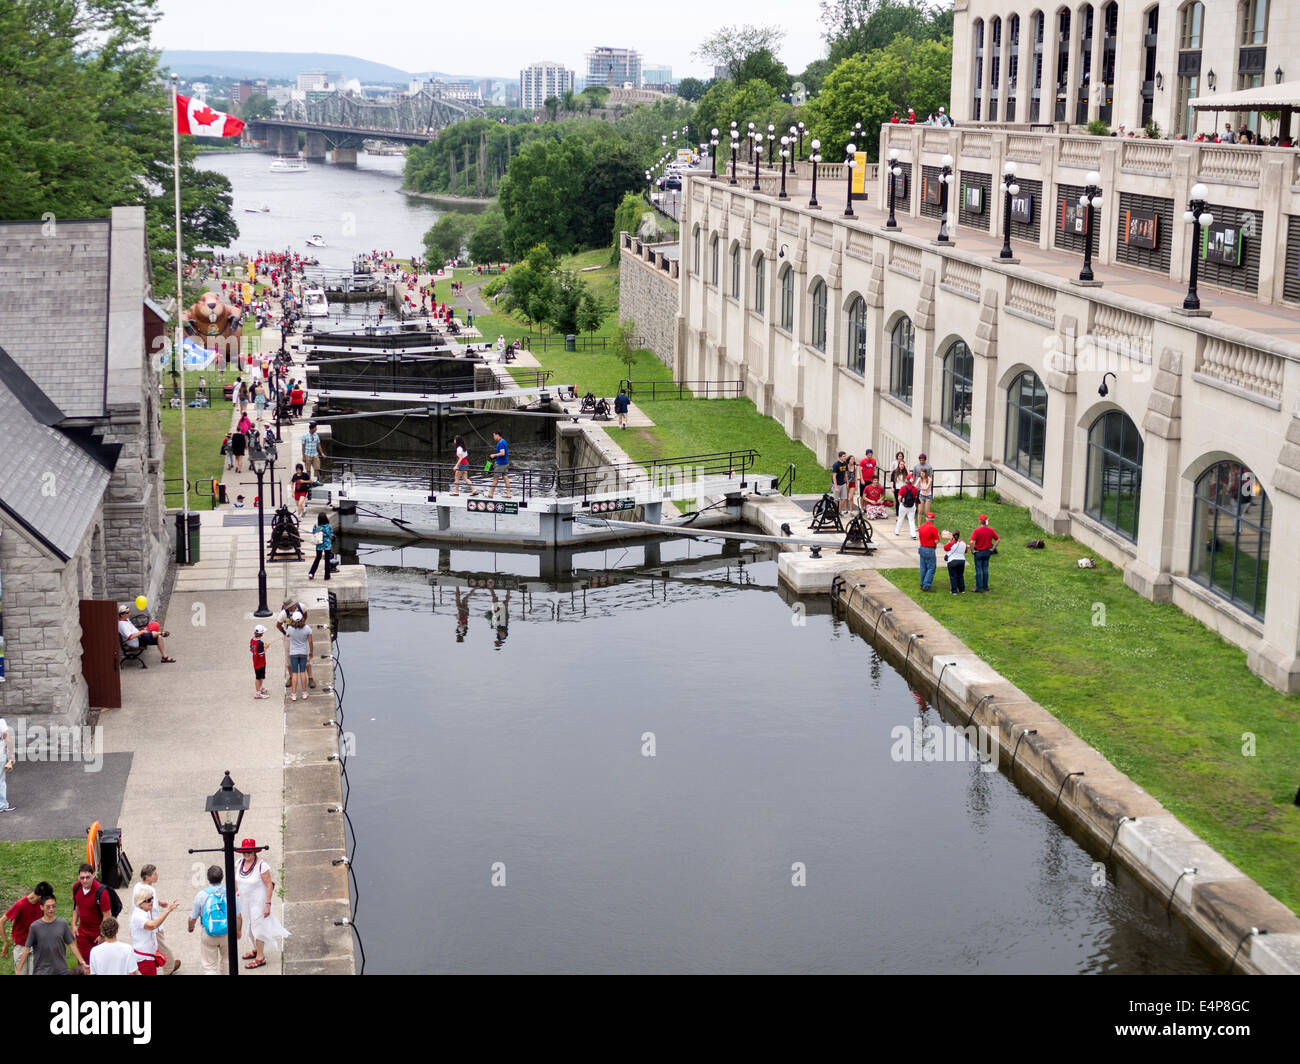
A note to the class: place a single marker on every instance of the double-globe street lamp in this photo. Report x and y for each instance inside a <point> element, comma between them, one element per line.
<point>758,156</point>
<point>713,152</point>
<point>1009,189</point>
<point>750,157</point>
<point>1198,213</point>
<point>258,459</point>
<point>945,183</point>
<point>814,159</point>
<point>771,154</point>
<point>892,171</point>
<point>785,154</point>
<point>850,161</point>
<point>735,142</point>
<point>1090,200</point>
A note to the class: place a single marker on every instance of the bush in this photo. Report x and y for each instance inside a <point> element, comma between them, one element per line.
<point>1098,128</point>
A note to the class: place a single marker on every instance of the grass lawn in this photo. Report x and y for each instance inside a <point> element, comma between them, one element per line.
<point>1165,699</point>
<point>24,864</point>
<point>206,428</point>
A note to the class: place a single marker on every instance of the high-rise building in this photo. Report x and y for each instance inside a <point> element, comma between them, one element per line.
<point>614,67</point>
<point>658,76</point>
<point>313,81</point>
<point>538,81</point>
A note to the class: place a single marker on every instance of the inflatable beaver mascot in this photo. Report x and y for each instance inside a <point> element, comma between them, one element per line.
<point>216,325</point>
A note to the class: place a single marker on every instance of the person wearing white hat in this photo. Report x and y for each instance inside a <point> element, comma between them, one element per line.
<point>258,646</point>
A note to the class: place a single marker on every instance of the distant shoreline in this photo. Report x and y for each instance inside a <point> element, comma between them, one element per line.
<point>470,202</point>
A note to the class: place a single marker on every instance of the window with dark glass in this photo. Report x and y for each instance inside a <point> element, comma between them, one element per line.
<point>901,351</point>
<point>1114,485</point>
<point>787,299</point>
<point>1026,426</point>
<point>857,337</point>
<point>1231,526</point>
<point>715,253</point>
<point>819,316</point>
<point>760,282</point>
<point>958,389</point>
<point>735,271</point>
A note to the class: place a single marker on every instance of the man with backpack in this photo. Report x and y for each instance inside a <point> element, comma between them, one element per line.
<point>91,902</point>
<point>907,499</point>
<point>210,910</point>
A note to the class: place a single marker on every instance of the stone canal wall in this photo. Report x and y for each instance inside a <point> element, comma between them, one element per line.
<point>1046,759</point>
<point>647,287</point>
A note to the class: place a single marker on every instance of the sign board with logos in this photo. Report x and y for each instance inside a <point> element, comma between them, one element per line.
<point>607,506</point>
<point>1022,208</point>
<point>491,506</point>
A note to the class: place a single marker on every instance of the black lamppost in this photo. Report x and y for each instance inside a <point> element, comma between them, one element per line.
<point>891,171</point>
<point>785,154</point>
<point>649,182</point>
<point>227,807</point>
<point>1198,214</point>
<point>758,157</point>
<point>1090,199</point>
<point>750,158</point>
<point>801,129</point>
<point>771,154</point>
<point>945,182</point>
<point>1009,189</point>
<point>713,152</point>
<point>735,140</point>
<point>814,159</point>
<point>257,460</point>
<point>850,162</point>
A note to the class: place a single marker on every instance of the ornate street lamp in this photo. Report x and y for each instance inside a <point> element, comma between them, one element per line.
<point>814,158</point>
<point>713,151</point>
<point>1090,200</point>
<point>735,140</point>
<point>750,158</point>
<point>227,805</point>
<point>891,172</point>
<point>1198,214</point>
<point>758,156</point>
<point>801,129</point>
<point>1009,189</point>
<point>257,461</point>
<point>785,154</point>
<point>945,182</point>
<point>850,162</point>
<point>771,136</point>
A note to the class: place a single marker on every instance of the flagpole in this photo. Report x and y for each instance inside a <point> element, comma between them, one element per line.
<point>178,351</point>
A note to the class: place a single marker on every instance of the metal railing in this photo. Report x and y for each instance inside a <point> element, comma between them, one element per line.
<point>578,482</point>
<point>683,389</point>
<point>785,485</point>
<point>420,387</point>
<point>983,479</point>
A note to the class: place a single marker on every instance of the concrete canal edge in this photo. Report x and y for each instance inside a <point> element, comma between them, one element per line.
<point>1219,901</point>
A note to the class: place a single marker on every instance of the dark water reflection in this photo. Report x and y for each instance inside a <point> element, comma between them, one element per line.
<point>772,747</point>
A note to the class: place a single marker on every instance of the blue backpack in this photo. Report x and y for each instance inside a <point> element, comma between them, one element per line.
<point>214,913</point>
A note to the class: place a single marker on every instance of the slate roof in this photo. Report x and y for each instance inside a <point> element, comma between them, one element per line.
<point>51,480</point>
<point>54,308</point>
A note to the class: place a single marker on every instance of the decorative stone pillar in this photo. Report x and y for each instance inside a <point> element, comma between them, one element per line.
<point>1058,445</point>
<point>984,387</point>
<point>1148,573</point>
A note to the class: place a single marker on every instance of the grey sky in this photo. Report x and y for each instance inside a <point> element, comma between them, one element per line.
<point>494,39</point>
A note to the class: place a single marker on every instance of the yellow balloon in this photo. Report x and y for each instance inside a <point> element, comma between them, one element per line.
<point>141,603</point>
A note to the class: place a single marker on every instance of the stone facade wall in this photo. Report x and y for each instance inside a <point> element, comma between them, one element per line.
<point>42,626</point>
<point>648,295</point>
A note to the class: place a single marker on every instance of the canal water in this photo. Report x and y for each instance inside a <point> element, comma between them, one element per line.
<point>636,770</point>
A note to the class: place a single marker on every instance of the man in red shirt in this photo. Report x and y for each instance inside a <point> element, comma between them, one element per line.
<point>90,905</point>
<point>928,537</point>
<point>867,470</point>
<point>22,914</point>
<point>982,541</point>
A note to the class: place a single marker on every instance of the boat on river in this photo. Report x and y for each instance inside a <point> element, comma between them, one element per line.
<point>316,241</point>
<point>288,164</point>
<point>314,303</point>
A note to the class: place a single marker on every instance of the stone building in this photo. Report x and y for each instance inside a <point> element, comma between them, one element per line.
<point>852,334</point>
<point>1124,62</point>
<point>81,494</point>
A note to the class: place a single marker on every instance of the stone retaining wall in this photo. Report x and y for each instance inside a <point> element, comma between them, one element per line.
<point>648,295</point>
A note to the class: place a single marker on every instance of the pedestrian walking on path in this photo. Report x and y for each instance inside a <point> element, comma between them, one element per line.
<point>22,914</point>
<point>460,469</point>
<point>258,647</point>
<point>983,542</point>
<point>311,451</point>
<point>955,555</point>
<point>500,464</point>
<point>907,498</point>
<point>48,940</point>
<point>282,621</point>
<point>149,877</point>
<point>7,762</point>
<point>209,912</point>
<point>324,536</point>
<point>928,537</point>
<point>256,891</point>
<point>621,404</point>
<point>144,927</point>
<point>300,649</point>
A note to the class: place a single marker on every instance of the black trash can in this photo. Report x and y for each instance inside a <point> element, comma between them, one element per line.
<point>570,342</point>
<point>193,538</point>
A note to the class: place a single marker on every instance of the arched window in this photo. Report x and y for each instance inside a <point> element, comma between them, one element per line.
<point>978,95</point>
<point>901,349</point>
<point>696,270</point>
<point>1231,524</point>
<point>1191,24</point>
<point>958,388</point>
<point>1253,19</point>
<point>857,338</point>
<point>787,299</point>
<point>1026,426</point>
<point>715,253</point>
<point>818,336</point>
<point>1193,21</point>
<point>735,271</point>
<point>760,282</point>
<point>1114,488</point>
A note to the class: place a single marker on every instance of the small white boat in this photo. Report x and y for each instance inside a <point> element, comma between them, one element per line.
<point>264,209</point>
<point>288,164</point>
<point>314,303</point>
<point>316,241</point>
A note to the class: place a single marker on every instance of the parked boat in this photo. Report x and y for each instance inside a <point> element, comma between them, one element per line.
<point>264,209</point>
<point>316,240</point>
<point>314,303</point>
<point>288,164</point>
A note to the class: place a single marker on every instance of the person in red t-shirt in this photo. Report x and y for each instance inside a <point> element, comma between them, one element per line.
<point>90,905</point>
<point>258,647</point>
<point>928,538</point>
<point>22,914</point>
<point>983,541</point>
<point>867,470</point>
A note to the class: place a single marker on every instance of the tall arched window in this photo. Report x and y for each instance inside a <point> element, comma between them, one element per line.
<point>1231,524</point>
<point>1026,425</point>
<point>818,336</point>
<point>1062,63</point>
<point>1252,35</point>
<point>787,299</point>
<point>735,271</point>
<point>715,253</point>
<point>958,388</point>
<point>696,270</point>
<point>977,97</point>
<point>1191,26</point>
<point>1114,489</point>
<point>857,338</point>
<point>901,349</point>
<point>760,282</point>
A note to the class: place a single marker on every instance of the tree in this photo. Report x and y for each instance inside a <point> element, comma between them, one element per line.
<point>591,312</point>
<point>814,74</point>
<point>552,106</point>
<point>488,241</point>
<point>763,66</point>
<point>566,296</point>
<point>569,101</point>
<point>870,88</point>
<point>447,236</point>
<point>692,88</point>
<point>612,175</point>
<point>531,284</point>
<point>856,27</point>
<point>256,106</point>
<point>732,45</point>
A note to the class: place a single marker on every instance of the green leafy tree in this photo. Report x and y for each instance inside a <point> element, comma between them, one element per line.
<point>692,88</point>
<point>591,312</point>
<point>814,74</point>
<point>488,241</point>
<point>531,284</point>
<point>565,301</point>
<point>610,177</point>
<point>569,101</point>
<point>627,219</point>
<point>762,65</point>
<point>552,106</point>
<point>856,27</point>
<point>256,106</point>
<point>869,89</point>
<point>446,237</point>
<point>731,46</point>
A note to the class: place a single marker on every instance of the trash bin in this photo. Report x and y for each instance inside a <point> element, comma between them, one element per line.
<point>570,342</point>
<point>180,538</point>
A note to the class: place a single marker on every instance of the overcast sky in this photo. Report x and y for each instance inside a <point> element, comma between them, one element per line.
<point>495,38</point>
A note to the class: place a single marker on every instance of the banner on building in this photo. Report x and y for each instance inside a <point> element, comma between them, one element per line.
<point>972,197</point>
<point>1224,243</point>
<point>1141,228</point>
<point>1022,208</point>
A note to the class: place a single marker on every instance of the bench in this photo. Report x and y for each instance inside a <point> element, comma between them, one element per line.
<point>130,653</point>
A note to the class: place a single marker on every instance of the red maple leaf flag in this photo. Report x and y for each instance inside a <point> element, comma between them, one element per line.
<point>196,117</point>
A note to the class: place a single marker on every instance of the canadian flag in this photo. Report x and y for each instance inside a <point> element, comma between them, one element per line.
<point>196,117</point>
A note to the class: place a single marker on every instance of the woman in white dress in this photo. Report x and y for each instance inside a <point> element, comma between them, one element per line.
<point>253,879</point>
